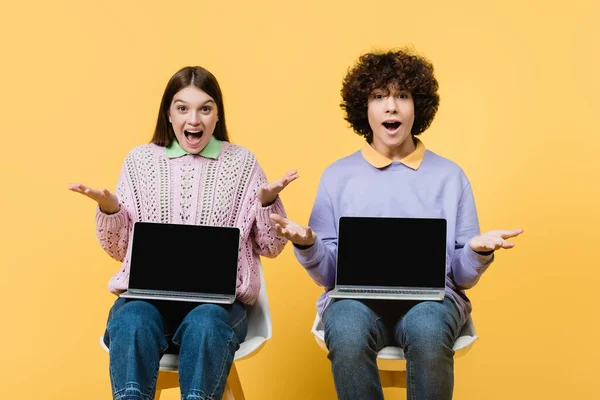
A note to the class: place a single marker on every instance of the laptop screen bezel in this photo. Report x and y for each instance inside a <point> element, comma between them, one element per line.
<point>442,221</point>
<point>156,227</point>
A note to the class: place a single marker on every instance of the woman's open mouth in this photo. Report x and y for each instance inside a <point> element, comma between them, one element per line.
<point>193,137</point>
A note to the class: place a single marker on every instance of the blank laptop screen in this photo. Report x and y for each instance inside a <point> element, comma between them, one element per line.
<point>374,251</point>
<point>184,258</point>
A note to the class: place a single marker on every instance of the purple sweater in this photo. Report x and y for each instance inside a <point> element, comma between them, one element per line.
<point>437,188</point>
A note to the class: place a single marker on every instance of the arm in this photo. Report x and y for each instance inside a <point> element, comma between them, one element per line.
<point>467,266</point>
<point>319,259</point>
<point>266,241</point>
<point>112,230</point>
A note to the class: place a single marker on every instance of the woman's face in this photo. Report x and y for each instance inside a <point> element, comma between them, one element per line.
<point>193,115</point>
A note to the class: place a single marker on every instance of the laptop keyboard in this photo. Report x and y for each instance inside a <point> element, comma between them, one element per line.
<point>388,291</point>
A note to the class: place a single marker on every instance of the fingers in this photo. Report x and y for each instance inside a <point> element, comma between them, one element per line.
<point>511,233</point>
<point>280,184</point>
<point>292,175</point>
<point>279,230</point>
<point>309,232</point>
<point>77,187</point>
<point>278,219</point>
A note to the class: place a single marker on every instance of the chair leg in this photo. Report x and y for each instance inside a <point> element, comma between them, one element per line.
<point>393,378</point>
<point>166,380</point>
<point>233,386</point>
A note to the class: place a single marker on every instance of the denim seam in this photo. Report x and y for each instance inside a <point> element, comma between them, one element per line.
<point>409,366</point>
<point>132,385</point>
<point>239,321</point>
<point>195,394</point>
<point>374,327</point>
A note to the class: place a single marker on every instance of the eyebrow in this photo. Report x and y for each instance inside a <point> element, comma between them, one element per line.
<point>206,102</point>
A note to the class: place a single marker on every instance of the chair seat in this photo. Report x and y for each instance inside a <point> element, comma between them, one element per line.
<point>170,362</point>
<point>392,358</point>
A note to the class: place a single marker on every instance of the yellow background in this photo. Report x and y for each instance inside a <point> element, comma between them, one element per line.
<point>81,84</point>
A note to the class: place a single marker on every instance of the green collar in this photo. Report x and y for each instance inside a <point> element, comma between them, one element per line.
<point>211,150</point>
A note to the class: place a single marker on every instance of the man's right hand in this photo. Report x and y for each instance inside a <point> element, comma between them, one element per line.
<point>108,202</point>
<point>294,232</point>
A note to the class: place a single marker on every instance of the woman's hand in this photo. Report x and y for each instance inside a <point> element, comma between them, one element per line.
<point>294,232</point>
<point>269,192</point>
<point>108,202</point>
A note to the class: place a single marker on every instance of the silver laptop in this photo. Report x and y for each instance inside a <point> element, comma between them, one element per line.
<point>391,258</point>
<point>194,263</point>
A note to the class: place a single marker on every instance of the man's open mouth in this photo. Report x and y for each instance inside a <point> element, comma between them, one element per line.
<point>392,125</point>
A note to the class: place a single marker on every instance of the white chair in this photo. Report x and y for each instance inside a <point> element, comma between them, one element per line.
<point>259,331</point>
<point>390,359</point>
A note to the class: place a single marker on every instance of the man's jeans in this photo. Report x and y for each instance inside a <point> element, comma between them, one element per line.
<point>205,336</point>
<point>355,330</point>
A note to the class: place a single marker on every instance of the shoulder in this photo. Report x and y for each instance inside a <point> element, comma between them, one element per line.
<point>236,155</point>
<point>345,165</point>
<point>236,151</point>
<point>146,150</point>
<point>433,160</point>
<point>445,170</point>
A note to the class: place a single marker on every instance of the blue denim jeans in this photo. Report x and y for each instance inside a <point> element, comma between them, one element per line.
<point>355,330</point>
<point>205,336</point>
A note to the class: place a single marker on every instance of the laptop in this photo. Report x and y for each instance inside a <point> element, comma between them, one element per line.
<point>195,263</point>
<point>391,258</point>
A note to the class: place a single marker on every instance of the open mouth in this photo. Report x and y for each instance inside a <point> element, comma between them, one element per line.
<point>392,125</point>
<point>193,135</point>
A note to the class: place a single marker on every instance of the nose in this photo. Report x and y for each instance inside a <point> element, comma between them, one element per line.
<point>194,119</point>
<point>390,105</point>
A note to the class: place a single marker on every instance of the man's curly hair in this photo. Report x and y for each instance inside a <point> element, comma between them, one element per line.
<point>376,71</point>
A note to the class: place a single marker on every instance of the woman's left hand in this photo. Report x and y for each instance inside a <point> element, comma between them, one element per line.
<point>268,193</point>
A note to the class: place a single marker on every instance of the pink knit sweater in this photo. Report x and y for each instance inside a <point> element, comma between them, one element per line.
<point>193,190</point>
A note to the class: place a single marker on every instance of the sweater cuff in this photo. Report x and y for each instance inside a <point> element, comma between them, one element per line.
<point>477,260</point>
<point>111,221</point>
<point>263,214</point>
<point>308,256</point>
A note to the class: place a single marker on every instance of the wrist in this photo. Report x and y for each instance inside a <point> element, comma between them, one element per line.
<point>110,210</point>
<point>267,203</point>
<point>303,246</point>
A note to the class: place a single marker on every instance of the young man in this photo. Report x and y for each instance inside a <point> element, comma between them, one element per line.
<point>390,98</point>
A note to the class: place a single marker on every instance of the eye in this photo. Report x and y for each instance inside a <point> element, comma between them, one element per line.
<point>206,109</point>
<point>378,96</point>
<point>403,95</point>
<point>181,108</point>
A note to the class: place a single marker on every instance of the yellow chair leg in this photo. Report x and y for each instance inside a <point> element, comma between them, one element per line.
<point>166,380</point>
<point>393,378</point>
<point>233,386</point>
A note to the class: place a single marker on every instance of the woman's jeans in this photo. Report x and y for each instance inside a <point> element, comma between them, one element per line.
<point>355,330</point>
<point>205,336</point>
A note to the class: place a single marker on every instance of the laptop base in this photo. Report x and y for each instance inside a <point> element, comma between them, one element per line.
<point>379,293</point>
<point>178,296</point>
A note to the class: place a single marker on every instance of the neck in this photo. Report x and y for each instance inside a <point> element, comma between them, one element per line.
<point>396,153</point>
